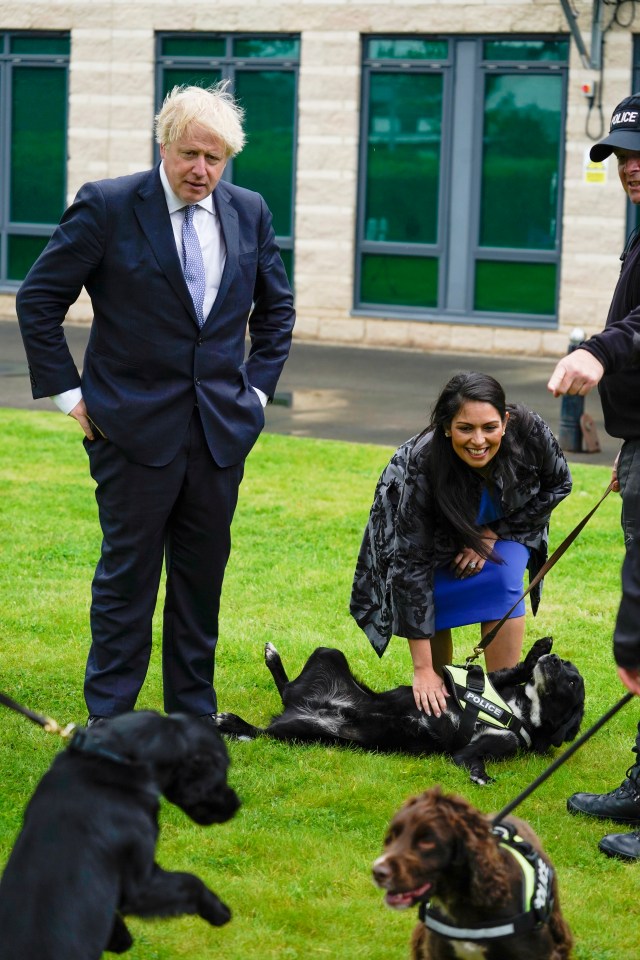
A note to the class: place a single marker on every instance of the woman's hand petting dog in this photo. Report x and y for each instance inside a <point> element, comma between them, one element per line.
<point>327,704</point>
<point>86,854</point>
<point>441,851</point>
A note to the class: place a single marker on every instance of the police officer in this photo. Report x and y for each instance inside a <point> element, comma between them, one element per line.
<point>611,360</point>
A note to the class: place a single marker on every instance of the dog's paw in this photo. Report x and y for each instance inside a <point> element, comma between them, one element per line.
<point>474,765</point>
<point>213,910</point>
<point>481,779</point>
<point>234,726</point>
<point>539,649</point>
<point>120,940</point>
<point>270,652</point>
<point>220,719</point>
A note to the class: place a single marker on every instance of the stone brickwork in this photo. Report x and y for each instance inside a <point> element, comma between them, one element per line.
<point>111,105</point>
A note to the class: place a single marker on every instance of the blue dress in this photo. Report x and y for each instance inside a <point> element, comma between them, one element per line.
<point>486,595</point>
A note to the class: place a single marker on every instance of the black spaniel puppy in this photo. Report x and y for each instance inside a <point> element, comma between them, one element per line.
<point>86,854</point>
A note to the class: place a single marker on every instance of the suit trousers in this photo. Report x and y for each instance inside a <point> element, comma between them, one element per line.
<point>629,477</point>
<point>181,513</point>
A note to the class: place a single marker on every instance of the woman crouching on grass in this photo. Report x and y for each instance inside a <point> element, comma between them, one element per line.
<point>459,513</point>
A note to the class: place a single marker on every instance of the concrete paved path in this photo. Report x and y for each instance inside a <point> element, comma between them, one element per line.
<point>356,394</point>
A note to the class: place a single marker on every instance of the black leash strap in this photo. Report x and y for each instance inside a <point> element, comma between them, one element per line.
<point>475,683</point>
<point>553,559</point>
<point>562,758</point>
<point>47,724</point>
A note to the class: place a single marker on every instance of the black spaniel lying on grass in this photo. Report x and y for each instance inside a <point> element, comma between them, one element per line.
<point>484,892</point>
<point>86,854</point>
<point>542,706</point>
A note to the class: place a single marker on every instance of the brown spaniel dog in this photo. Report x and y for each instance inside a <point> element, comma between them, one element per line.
<point>485,893</point>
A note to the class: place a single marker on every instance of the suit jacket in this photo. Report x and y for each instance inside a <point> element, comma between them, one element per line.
<point>147,362</point>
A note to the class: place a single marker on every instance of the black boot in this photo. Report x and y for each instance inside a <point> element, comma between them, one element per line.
<point>621,805</point>
<point>625,846</point>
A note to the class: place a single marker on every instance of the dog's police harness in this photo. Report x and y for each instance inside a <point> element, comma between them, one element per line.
<point>480,702</point>
<point>537,896</point>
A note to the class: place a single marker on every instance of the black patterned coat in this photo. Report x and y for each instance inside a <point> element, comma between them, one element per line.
<point>406,537</point>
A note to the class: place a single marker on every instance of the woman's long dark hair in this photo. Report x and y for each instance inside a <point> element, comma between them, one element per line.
<point>456,487</point>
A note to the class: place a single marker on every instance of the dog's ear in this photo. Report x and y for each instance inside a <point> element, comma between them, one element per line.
<point>488,876</point>
<point>569,729</point>
<point>198,779</point>
<point>477,849</point>
<point>571,693</point>
<point>558,738</point>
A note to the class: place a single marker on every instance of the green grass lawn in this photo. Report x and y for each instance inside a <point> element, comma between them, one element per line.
<point>294,864</point>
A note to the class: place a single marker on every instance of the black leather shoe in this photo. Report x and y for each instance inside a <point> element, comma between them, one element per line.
<point>625,846</point>
<point>94,721</point>
<point>621,805</point>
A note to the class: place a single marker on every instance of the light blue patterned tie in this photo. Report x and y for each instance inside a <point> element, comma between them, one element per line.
<point>192,262</point>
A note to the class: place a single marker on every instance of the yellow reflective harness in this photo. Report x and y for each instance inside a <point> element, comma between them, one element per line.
<point>537,895</point>
<point>480,703</point>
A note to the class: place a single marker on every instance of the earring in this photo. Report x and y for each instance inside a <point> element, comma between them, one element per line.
<point>447,433</point>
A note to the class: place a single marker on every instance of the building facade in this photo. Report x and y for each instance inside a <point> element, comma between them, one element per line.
<point>426,162</point>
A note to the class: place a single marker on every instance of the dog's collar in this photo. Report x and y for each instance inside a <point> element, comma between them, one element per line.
<point>537,895</point>
<point>478,700</point>
<point>132,775</point>
<point>83,742</point>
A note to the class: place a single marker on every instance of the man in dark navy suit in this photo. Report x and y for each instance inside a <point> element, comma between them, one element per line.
<point>176,263</point>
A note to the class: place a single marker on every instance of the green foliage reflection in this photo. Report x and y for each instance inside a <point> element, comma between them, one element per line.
<point>520,162</point>
<point>403,157</point>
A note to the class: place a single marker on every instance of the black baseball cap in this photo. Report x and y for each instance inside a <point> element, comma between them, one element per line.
<point>624,131</point>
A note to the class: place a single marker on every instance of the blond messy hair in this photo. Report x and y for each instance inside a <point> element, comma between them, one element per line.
<point>212,108</point>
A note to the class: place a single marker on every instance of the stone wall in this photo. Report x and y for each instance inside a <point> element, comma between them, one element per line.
<point>111,109</point>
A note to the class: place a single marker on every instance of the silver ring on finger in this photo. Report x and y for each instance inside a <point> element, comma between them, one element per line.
<point>472,565</point>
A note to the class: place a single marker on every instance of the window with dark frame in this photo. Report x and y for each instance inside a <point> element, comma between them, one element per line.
<point>461,163</point>
<point>34,70</point>
<point>263,69</point>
